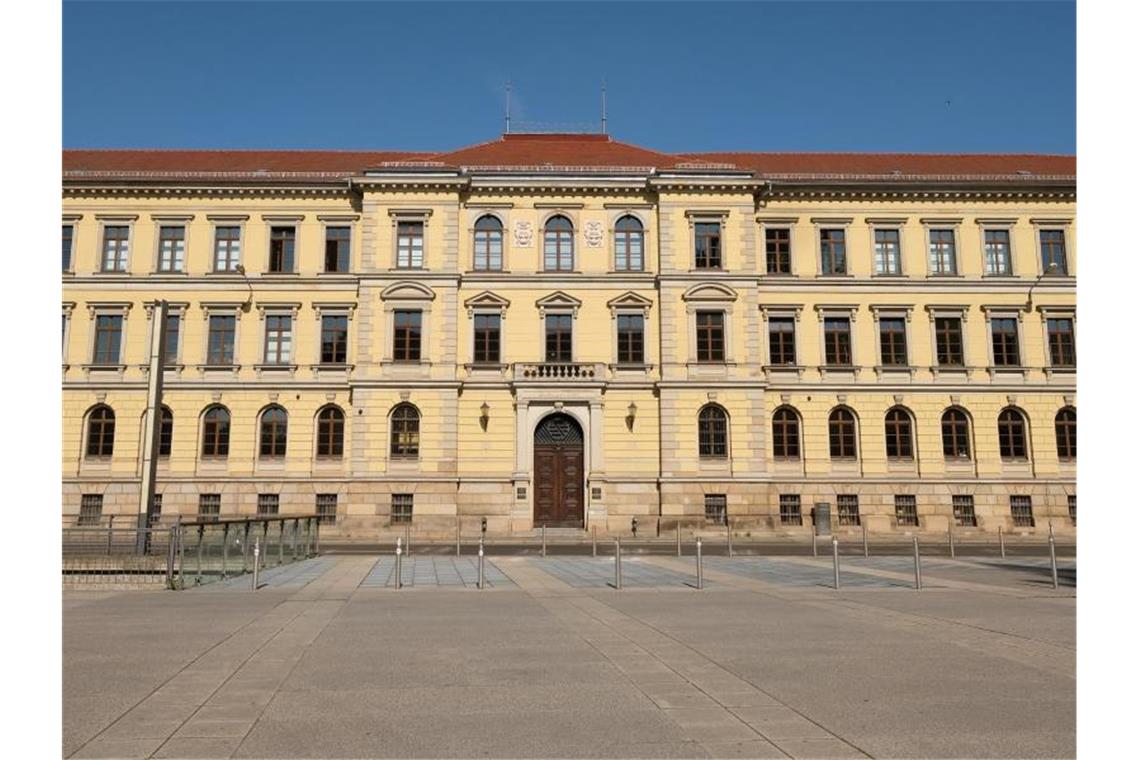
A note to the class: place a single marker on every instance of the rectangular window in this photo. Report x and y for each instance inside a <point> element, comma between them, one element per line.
<point>170,347</point>
<point>410,245</point>
<point>790,509</point>
<point>171,248</point>
<point>710,336</point>
<point>998,258</point>
<point>1073,508</point>
<point>278,338</point>
<point>631,339</point>
<point>782,340</point>
<point>1053,252</point>
<point>227,248</point>
<point>948,341</point>
<point>282,244</point>
<point>108,339</point>
<point>1062,346</point>
<point>716,509</point>
<point>402,508</point>
<point>338,248</point>
<point>326,508</point>
<point>833,251</point>
<point>220,347</point>
<point>154,514</point>
<point>268,504</point>
<point>837,341</point>
<point>906,511</point>
<point>1021,508</point>
<point>1006,352</point>
<point>68,239</point>
<point>778,248</point>
<point>406,335</point>
<point>90,509</point>
<point>558,338</point>
<point>115,248</point>
<point>487,336</point>
<point>964,511</point>
<point>209,507</point>
<point>892,341</point>
<point>943,256</point>
<point>334,339</point>
<point>707,241</point>
<point>888,252</point>
<point>847,505</point>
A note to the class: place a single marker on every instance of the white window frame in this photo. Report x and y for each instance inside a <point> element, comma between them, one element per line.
<point>952,224</point>
<point>832,223</point>
<point>781,311</point>
<point>322,309</point>
<point>777,223</point>
<point>708,216</point>
<point>949,311</point>
<point>418,216</point>
<point>895,225</point>
<point>290,310</point>
<point>893,311</point>
<point>282,220</point>
<point>615,216</point>
<point>171,220</point>
<point>832,311</point>
<point>105,221</point>
<point>1057,312</point>
<point>97,309</point>
<point>1005,311</point>
<point>474,214</point>
<point>217,221</point>
<point>1053,225</point>
<point>221,309</point>
<point>997,225</point>
<point>72,221</point>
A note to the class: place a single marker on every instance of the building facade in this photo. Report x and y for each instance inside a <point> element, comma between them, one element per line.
<point>574,331</point>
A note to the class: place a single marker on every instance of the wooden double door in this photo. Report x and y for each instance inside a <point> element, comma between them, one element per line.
<point>559,464</point>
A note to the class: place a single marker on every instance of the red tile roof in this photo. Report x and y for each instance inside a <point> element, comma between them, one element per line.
<point>558,152</point>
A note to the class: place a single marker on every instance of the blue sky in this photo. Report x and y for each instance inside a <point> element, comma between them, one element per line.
<point>680,76</point>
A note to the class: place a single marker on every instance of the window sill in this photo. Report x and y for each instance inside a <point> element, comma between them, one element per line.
<point>203,368</point>
<point>631,367</point>
<point>111,272</point>
<point>275,273</point>
<point>779,275</point>
<point>275,368</point>
<point>894,369</point>
<point>118,369</point>
<point>226,273</point>
<point>1063,371</point>
<point>709,270</point>
<point>954,276</point>
<point>408,269</point>
<point>999,276</point>
<point>889,276</point>
<point>336,275</point>
<point>783,370</point>
<point>839,369</point>
<point>479,272</point>
<point>835,276</point>
<point>331,369</point>
<point>169,272</point>
<point>558,271</point>
<point>1007,370</point>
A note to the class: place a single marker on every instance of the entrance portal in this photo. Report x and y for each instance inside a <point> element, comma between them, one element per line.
<point>558,472</point>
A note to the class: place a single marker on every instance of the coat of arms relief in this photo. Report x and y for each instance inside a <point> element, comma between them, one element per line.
<point>524,234</point>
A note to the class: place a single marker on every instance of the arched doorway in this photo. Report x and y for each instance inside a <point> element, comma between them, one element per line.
<point>559,455</point>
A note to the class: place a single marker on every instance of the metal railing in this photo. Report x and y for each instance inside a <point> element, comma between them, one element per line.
<point>182,554</point>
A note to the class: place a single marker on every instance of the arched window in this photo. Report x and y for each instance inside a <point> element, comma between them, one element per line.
<point>488,243</point>
<point>558,245</point>
<point>330,432</point>
<point>274,431</point>
<point>1065,423</point>
<point>712,432</point>
<point>898,430</point>
<point>786,433</point>
<point>955,434</point>
<point>1011,434</point>
<point>405,432</point>
<point>165,431</point>
<point>216,432</point>
<point>629,245</point>
<point>841,434</point>
<point>100,431</point>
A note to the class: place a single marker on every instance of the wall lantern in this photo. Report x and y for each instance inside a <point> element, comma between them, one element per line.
<point>631,415</point>
<point>484,415</point>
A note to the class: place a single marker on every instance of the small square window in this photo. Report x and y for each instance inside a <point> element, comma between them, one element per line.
<point>402,508</point>
<point>209,507</point>
<point>1073,508</point>
<point>790,513</point>
<point>90,509</point>
<point>326,508</point>
<point>964,511</point>
<point>716,509</point>
<point>848,507</point>
<point>1021,508</point>
<point>906,511</point>
<point>268,504</point>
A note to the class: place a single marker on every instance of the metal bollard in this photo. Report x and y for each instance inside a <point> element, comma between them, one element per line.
<point>281,544</point>
<point>110,532</point>
<point>865,552</point>
<point>728,530</point>
<point>617,563</point>
<point>1001,541</point>
<point>225,549</point>
<point>408,539</point>
<point>950,532</point>
<point>456,536</point>
<point>544,539</point>
<point>917,567</point>
<point>481,584</point>
<point>700,568</point>
<point>1053,556</point>
<point>835,559</point>
<point>256,562</point>
<point>594,539</point>
<point>399,569</point>
<point>678,538</point>
<point>814,551</point>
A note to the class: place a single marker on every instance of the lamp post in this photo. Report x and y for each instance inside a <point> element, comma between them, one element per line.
<point>631,415</point>
<point>1050,269</point>
<point>484,415</point>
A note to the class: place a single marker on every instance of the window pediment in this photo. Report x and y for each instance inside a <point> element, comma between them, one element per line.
<point>710,292</point>
<point>558,301</point>
<point>407,291</point>
<point>487,301</point>
<point>630,300</point>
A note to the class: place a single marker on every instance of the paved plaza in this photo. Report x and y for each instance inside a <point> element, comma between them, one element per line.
<point>329,659</point>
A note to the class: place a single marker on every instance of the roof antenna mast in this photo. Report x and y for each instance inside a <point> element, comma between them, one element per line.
<point>508,108</point>
<point>603,105</point>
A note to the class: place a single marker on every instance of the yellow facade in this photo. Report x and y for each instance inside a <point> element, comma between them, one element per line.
<point>477,423</point>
